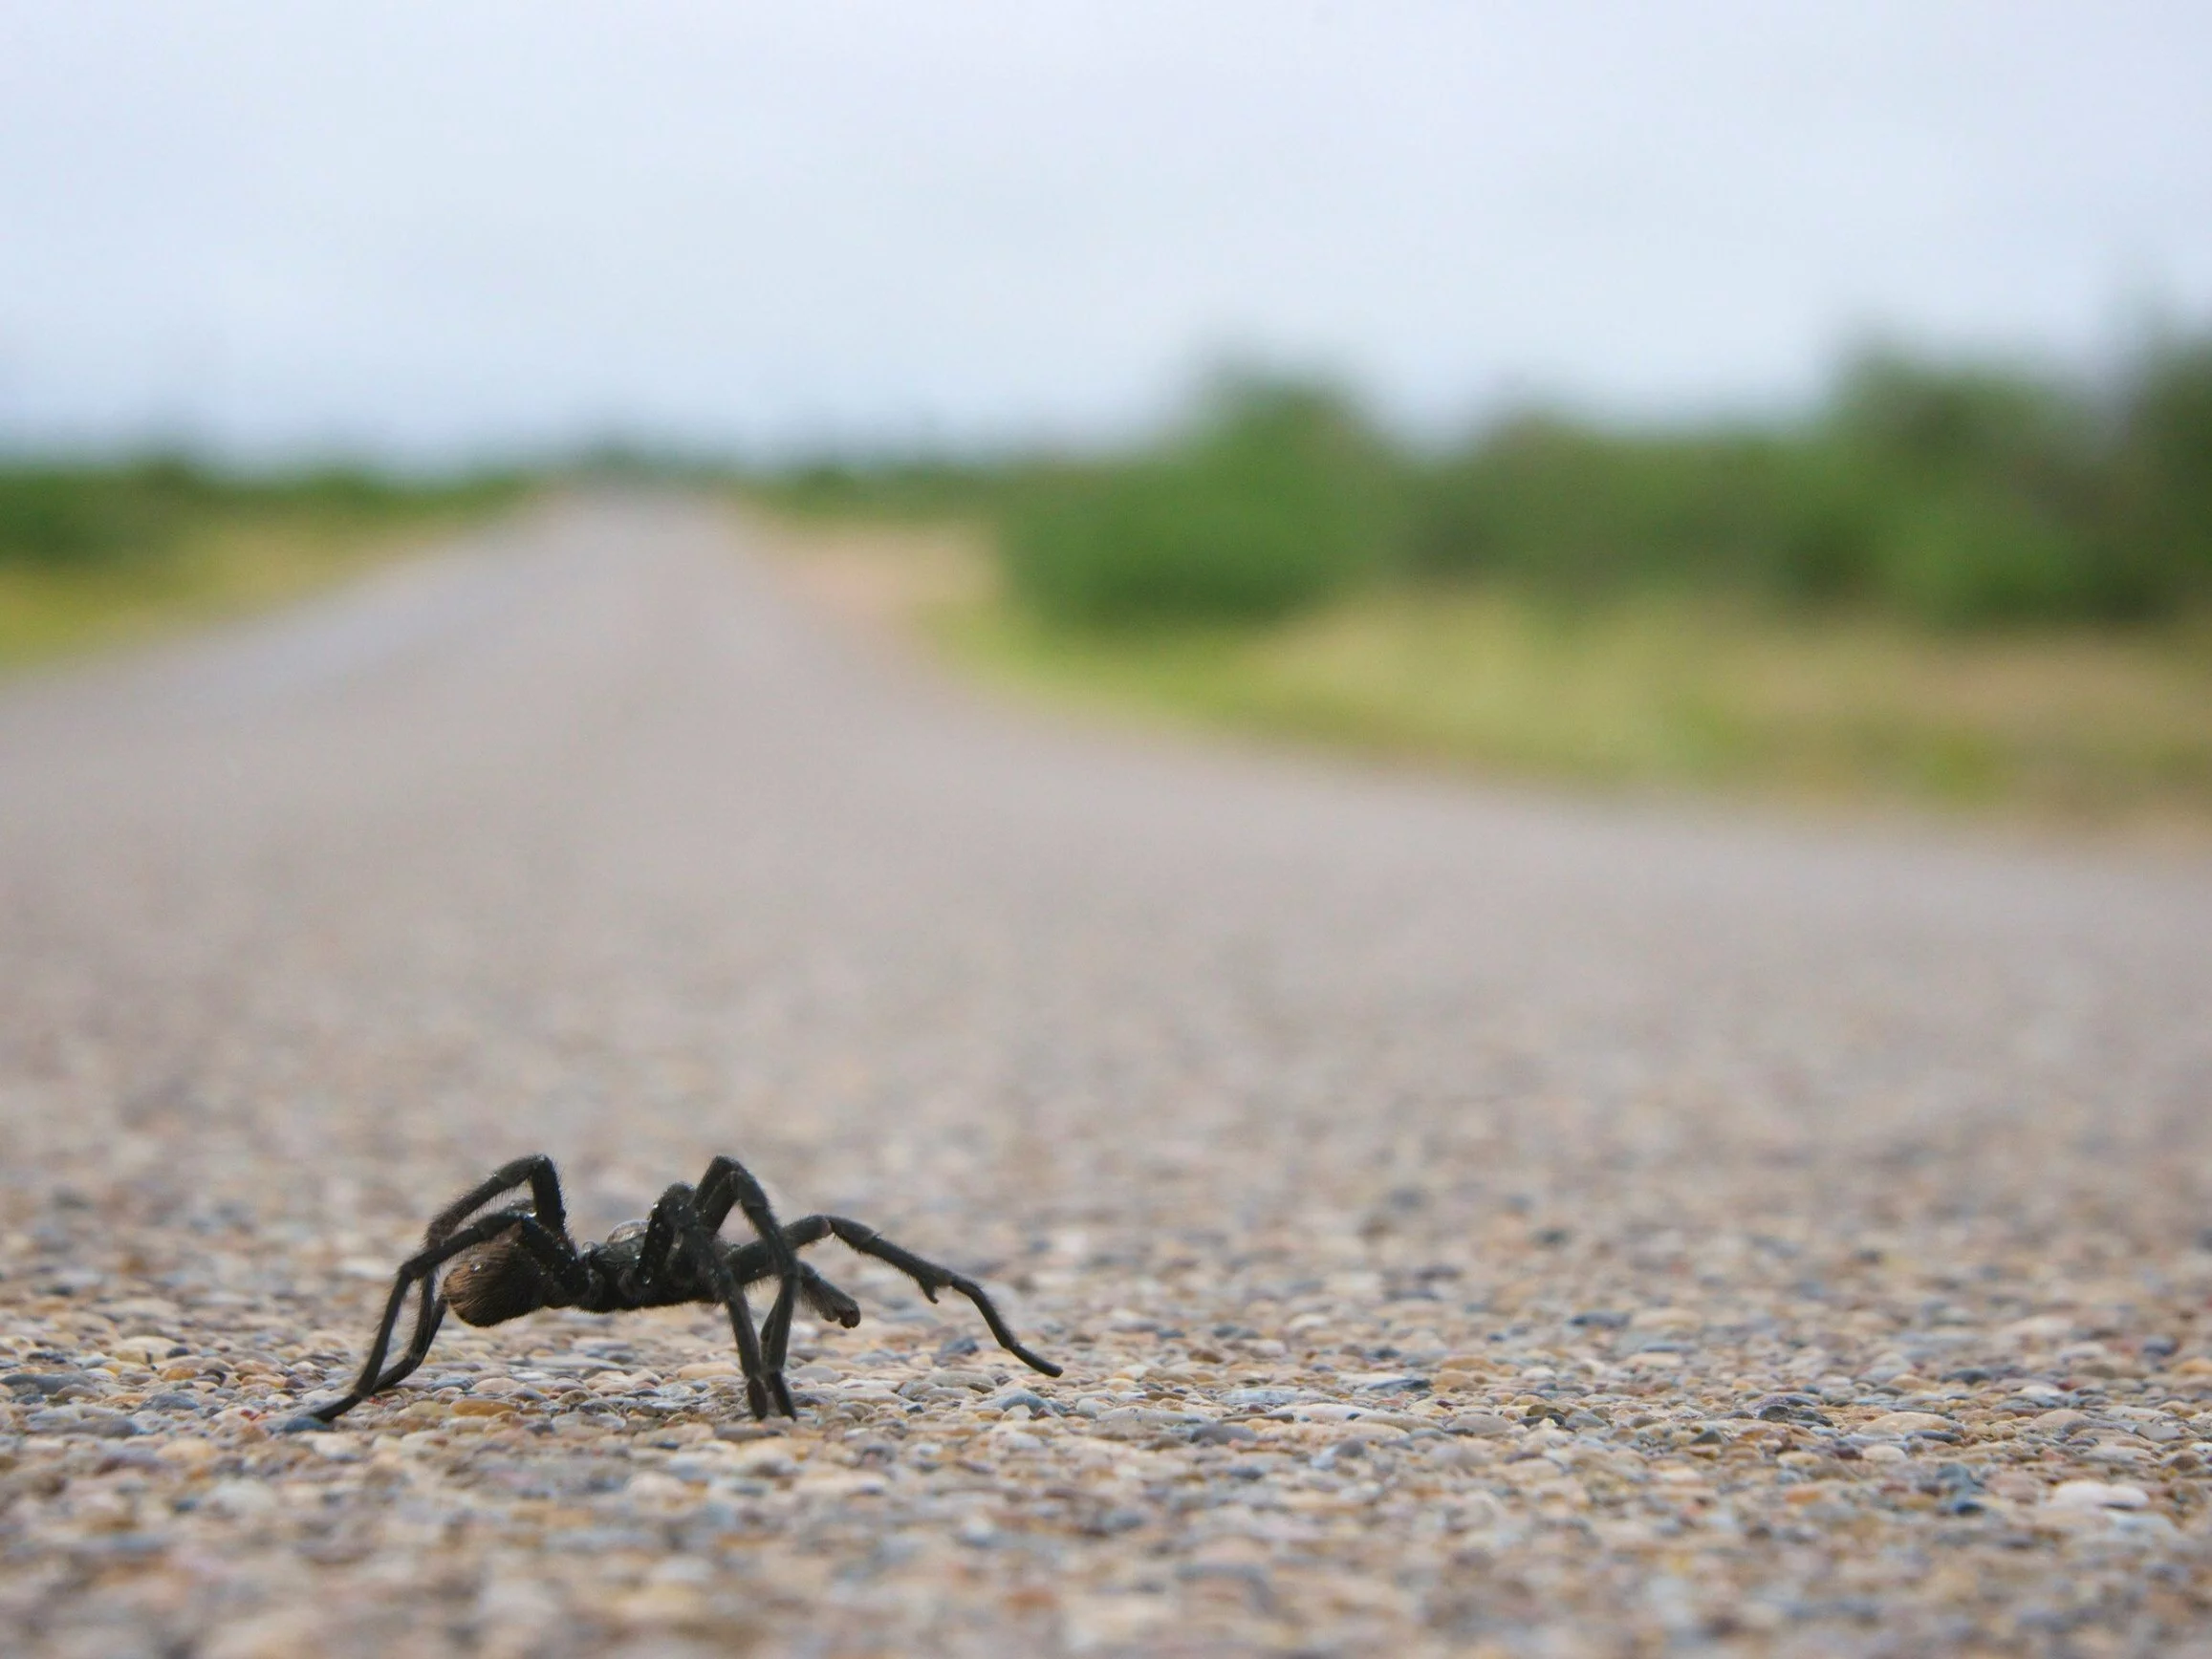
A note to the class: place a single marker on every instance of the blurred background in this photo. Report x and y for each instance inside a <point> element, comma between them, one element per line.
<point>1813,402</point>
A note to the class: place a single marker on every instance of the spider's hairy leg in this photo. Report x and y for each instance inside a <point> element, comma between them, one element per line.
<point>429,1315</point>
<point>728,1182</point>
<point>422,1267</point>
<point>676,1219</point>
<point>545,1197</point>
<point>929,1275</point>
<point>776,1330</point>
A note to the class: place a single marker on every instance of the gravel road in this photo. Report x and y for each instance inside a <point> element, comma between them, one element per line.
<point>1470,1221</point>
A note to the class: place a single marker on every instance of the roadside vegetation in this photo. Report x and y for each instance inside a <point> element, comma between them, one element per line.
<point>96,554</point>
<point>1972,585</point>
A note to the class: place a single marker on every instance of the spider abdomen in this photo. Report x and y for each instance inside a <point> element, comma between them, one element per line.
<point>494,1282</point>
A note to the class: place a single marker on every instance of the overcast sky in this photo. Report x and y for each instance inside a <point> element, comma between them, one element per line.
<point>453,227</point>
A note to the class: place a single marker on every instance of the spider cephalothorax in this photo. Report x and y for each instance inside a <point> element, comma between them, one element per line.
<point>510,1262</point>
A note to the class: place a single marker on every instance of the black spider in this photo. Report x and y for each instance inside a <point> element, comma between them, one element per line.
<point>516,1260</point>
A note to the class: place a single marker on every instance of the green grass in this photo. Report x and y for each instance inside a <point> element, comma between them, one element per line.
<point>1665,693</point>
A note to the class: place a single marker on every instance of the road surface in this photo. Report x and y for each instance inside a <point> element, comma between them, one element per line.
<point>1466,1217</point>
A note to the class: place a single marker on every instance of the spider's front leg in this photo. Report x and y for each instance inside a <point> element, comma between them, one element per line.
<point>676,1220</point>
<point>726,1184</point>
<point>927,1275</point>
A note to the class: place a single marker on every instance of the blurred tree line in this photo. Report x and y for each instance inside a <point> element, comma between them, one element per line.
<point>59,517</point>
<point>1952,495</point>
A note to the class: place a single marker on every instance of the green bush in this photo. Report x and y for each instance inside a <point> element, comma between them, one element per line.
<point>53,516</point>
<point>1279,499</point>
<point>2163,482</point>
<point>1983,492</point>
<point>1584,512</point>
<point>1956,495</point>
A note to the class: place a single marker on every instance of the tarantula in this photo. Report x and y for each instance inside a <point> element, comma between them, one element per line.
<point>517,1259</point>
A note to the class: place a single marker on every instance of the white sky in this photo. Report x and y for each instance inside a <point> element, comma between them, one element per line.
<point>451,227</point>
